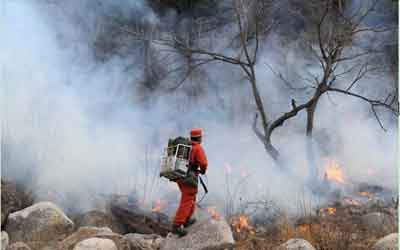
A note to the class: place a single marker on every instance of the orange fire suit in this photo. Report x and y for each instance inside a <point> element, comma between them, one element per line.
<point>188,193</point>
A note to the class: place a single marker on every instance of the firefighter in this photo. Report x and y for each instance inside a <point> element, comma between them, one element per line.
<point>188,185</point>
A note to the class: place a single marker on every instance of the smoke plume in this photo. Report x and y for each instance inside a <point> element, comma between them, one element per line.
<point>76,121</point>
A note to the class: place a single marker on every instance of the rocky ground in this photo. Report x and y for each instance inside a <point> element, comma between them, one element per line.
<point>121,225</point>
<point>343,225</point>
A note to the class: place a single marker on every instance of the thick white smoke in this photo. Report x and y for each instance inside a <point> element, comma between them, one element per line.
<point>75,125</point>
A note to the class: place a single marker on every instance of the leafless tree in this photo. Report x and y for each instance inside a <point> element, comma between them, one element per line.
<point>334,46</point>
<point>250,19</point>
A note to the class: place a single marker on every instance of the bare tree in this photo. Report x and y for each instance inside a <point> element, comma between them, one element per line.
<point>333,47</point>
<point>250,17</point>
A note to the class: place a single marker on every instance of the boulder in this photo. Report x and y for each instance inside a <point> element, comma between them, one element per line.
<point>81,234</point>
<point>4,240</point>
<point>49,247</point>
<point>144,241</point>
<point>38,225</point>
<point>13,198</point>
<point>48,193</point>
<point>96,244</point>
<point>84,233</point>
<point>208,234</point>
<point>389,242</point>
<point>97,218</point>
<point>19,246</point>
<point>295,244</point>
<point>378,222</point>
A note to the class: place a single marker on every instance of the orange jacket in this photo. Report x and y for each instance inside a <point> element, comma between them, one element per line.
<point>198,157</point>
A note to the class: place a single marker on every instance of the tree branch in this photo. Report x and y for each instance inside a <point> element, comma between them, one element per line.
<point>284,80</point>
<point>243,35</point>
<point>188,72</point>
<point>352,57</point>
<point>279,122</point>
<point>319,26</point>
<point>373,103</point>
<point>370,101</point>
<point>258,133</point>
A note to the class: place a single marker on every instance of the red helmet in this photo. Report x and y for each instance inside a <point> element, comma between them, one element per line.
<point>196,132</point>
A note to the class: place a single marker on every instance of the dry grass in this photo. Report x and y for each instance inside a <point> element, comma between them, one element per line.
<point>325,232</point>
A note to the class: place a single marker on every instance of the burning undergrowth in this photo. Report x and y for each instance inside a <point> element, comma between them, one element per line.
<point>343,205</point>
<point>338,188</point>
<point>351,215</point>
<point>337,226</point>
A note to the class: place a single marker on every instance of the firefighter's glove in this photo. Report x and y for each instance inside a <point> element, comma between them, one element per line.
<point>202,171</point>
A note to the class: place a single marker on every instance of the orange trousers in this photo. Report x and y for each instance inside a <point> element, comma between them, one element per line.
<point>187,204</point>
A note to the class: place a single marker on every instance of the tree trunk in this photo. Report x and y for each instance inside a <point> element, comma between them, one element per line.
<point>310,118</point>
<point>147,61</point>
<point>313,174</point>
<point>271,150</point>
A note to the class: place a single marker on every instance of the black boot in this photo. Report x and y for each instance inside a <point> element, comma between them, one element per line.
<point>189,222</point>
<point>179,230</point>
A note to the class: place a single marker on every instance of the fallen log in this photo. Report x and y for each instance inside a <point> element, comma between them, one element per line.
<point>138,220</point>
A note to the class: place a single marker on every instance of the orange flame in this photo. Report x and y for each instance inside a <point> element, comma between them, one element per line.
<point>331,210</point>
<point>366,194</point>
<point>158,206</point>
<point>328,210</point>
<point>242,224</point>
<point>333,172</point>
<point>213,212</point>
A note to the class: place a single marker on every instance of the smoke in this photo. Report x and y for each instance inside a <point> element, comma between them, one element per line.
<point>75,124</point>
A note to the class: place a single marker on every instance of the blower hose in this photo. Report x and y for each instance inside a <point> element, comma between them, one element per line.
<point>205,190</point>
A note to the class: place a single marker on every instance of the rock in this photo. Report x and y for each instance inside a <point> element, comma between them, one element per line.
<point>12,199</point>
<point>96,244</point>
<point>144,241</point>
<point>295,244</point>
<point>208,234</point>
<point>50,247</point>
<point>81,234</point>
<point>9,199</point>
<point>42,245</point>
<point>38,225</point>
<point>378,222</point>
<point>389,242</point>
<point>4,240</point>
<point>100,219</point>
<point>48,193</point>
<point>84,233</point>
<point>19,246</point>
